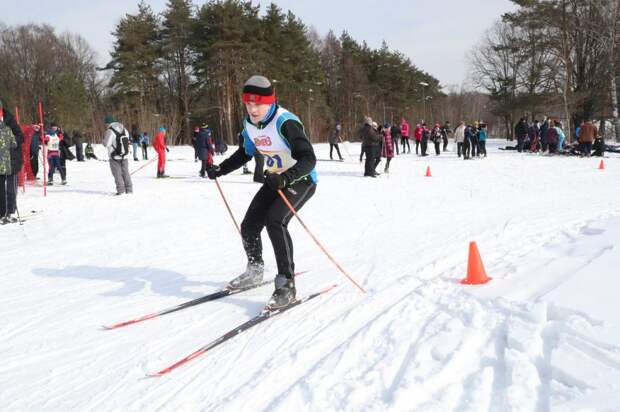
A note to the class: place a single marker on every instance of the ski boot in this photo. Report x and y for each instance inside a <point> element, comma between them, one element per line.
<point>284,294</point>
<point>252,276</point>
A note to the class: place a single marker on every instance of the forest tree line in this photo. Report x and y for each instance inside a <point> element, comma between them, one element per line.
<point>186,65</point>
<point>556,58</point>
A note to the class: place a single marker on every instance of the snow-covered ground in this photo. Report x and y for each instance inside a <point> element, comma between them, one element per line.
<point>543,335</point>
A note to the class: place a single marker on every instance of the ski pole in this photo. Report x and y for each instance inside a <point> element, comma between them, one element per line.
<point>227,207</point>
<point>290,206</point>
<point>144,165</point>
<point>346,149</point>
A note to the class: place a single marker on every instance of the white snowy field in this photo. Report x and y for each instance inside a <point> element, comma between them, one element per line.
<point>543,335</point>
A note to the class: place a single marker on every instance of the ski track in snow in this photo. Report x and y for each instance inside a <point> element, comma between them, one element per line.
<point>527,341</point>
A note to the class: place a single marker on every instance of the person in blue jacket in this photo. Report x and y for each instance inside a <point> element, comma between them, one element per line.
<point>144,142</point>
<point>482,139</point>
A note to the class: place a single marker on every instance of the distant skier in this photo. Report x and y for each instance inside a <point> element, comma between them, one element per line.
<point>144,142</point>
<point>90,152</point>
<point>395,133</point>
<point>204,148</point>
<point>334,138</point>
<point>459,137</point>
<point>482,139</point>
<point>436,138</point>
<point>279,136</point>
<point>52,142</point>
<point>388,146</point>
<point>116,139</point>
<point>159,144</point>
<point>426,135</point>
<point>404,133</point>
<point>417,134</point>
<point>446,130</point>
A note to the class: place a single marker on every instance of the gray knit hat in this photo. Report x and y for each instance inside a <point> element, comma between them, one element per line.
<point>258,89</point>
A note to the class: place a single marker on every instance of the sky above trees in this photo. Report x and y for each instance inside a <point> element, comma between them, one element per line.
<point>435,34</point>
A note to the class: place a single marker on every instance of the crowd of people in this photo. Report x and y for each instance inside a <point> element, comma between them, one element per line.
<point>549,137</point>
<point>386,141</point>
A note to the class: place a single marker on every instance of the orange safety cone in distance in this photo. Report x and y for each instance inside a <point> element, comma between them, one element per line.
<point>476,275</point>
<point>428,172</point>
<point>601,166</point>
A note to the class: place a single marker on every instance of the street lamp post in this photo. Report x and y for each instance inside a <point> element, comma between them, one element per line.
<point>424,85</point>
<point>361,96</point>
<point>309,112</point>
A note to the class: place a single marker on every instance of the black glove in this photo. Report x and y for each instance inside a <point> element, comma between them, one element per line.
<point>214,172</point>
<point>167,150</point>
<point>275,181</point>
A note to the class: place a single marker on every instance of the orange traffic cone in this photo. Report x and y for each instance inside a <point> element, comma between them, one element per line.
<point>428,172</point>
<point>476,275</point>
<point>601,166</point>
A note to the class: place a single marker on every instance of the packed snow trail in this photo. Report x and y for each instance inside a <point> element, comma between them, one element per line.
<point>542,335</point>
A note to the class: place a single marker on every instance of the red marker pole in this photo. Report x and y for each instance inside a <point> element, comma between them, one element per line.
<point>22,172</point>
<point>44,149</point>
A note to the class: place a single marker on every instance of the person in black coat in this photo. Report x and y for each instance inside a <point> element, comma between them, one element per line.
<point>370,144</point>
<point>8,183</point>
<point>395,132</point>
<point>35,146</point>
<point>204,148</point>
<point>521,130</point>
<point>79,148</point>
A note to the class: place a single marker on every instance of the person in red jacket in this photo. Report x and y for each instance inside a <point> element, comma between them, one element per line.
<point>404,133</point>
<point>417,134</point>
<point>159,144</point>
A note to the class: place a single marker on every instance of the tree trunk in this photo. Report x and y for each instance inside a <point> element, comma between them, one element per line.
<point>614,105</point>
<point>567,67</point>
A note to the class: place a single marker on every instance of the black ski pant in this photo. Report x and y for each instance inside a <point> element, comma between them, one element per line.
<point>475,150</point>
<point>424,147</point>
<point>145,155</point>
<point>369,166</point>
<point>267,209</point>
<point>482,147</point>
<point>445,144</point>
<point>466,149</point>
<point>520,143</point>
<point>437,148</point>
<point>586,148</point>
<point>8,194</point>
<point>459,148</point>
<point>34,163</point>
<point>333,146</point>
<point>417,147</point>
<point>405,140</point>
<point>204,164</point>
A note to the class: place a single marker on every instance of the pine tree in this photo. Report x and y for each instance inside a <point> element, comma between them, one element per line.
<point>177,27</point>
<point>135,59</point>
